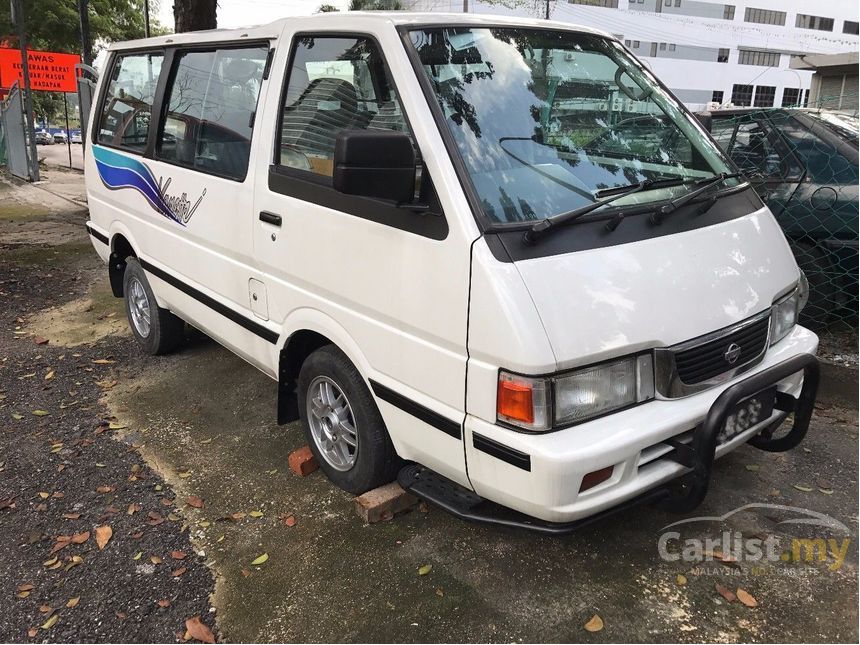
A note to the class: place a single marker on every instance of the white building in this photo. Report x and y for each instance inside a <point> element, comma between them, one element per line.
<point>705,50</point>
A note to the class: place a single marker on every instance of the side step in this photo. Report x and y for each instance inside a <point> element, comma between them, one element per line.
<point>432,487</point>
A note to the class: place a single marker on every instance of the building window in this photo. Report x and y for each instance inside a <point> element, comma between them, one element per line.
<point>764,16</point>
<point>627,43</point>
<point>850,27</point>
<point>609,4</point>
<point>729,12</point>
<point>662,46</point>
<point>814,22</point>
<point>742,95</point>
<point>668,3</point>
<point>671,47</point>
<point>635,44</point>
<point>790,97</point>
<point>677,3</point>
<point>717,96</point>
<point>805,98</point>
<point>723,55</point>
<point>764,59</point>
<point>764,96</point>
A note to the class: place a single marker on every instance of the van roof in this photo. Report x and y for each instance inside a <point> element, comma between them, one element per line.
<point>350,22</point>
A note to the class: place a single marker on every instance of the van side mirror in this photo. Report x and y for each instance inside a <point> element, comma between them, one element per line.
<point>375,163</point>
<point>706,119</point>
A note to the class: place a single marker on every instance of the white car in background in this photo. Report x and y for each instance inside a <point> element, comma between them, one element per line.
<point>77,138</point>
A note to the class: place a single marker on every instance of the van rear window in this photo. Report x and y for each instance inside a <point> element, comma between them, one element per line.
<point>127,109</point>
<point>212,101</point>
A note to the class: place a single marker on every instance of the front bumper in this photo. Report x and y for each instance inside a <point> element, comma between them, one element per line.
<point>636,443</point>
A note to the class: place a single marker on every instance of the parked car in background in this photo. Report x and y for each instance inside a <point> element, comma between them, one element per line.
<point>60,137</point>
<point>44,139</point>
<point>76,137</point>
<point>804,165</point>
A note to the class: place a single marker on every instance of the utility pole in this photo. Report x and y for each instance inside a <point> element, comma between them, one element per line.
<point>18,20</point>
<point>546,14</point>
<point>86,45</point>
<point>146,18</point>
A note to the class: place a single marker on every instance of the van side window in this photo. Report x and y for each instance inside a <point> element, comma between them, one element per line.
<point>211,105</point>
<point>127,110</point>
<point>335,84</point>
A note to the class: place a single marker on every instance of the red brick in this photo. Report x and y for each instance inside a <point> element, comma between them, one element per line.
<point>302,461</point>
<point>383,503</point>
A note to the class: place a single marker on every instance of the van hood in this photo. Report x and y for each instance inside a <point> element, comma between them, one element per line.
<point>595,304</point>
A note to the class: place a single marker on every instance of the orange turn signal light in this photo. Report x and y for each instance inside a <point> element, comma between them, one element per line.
<point>515,401</point>
<point>596,477</point>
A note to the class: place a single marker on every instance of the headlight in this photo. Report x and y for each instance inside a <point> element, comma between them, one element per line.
<point>785,311</point>
<point>539,404</point>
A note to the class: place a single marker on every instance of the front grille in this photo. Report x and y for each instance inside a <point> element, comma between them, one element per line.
<point>708,360</point>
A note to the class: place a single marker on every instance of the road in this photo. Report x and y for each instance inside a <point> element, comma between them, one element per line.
<point>58,155</point>
<point>199,426</point>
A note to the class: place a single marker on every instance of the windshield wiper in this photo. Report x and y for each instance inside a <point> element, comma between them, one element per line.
<point>705,184</point>
<point>655,183</point>
<point>538,229</point>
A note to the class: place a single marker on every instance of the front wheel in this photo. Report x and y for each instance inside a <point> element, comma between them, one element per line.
<point>156,330</point>
<point>344,428</point>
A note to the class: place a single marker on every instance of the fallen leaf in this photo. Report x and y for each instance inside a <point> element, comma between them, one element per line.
<point>178,572</point>
<point>103,535</point>
<point>681,579</point>
<point>138,555</point>
<point>256,513</point>
<point>177,555</point>
<point>826,491</point>
<point>803,487</point>
<point>752,467</point>
<point>44,495</point>
<point>595,624</point>
<point>32,632</point>
<point>746,598</point>
<point>133,508</point>
<point>73,602</point>
<point>103,361</point>
<point>246,573</point>
<point>23,594</point>
<point>199,631</point>
<point>424,570</point>
<point>155,559</point>
<point>104,489</point>
<point>40,413</point>
<point>194,501</point>
<point>728,594</point>
<point>289,520</point>
<point>49,562</point>
<point>440,593</point>
<point>237,516</point>
<point>51,621</point>
<point>25,588</point>
<point>80,538</point>
<point>260,559</point>
<point>17,416</point>
<point>164,603</point>
<point>116,426</point>
<point>40,341</point>
<point>49,375</point>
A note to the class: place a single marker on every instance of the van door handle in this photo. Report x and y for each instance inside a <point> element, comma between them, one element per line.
<point>270,218</point>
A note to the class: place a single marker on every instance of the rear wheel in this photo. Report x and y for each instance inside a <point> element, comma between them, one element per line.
<point>156,330</point>
<point>343,426</point>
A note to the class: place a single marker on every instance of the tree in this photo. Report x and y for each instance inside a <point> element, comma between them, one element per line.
<point>375,5</point>
<point>327,8</point>
<point>191,15</point>
<point>53,25</point>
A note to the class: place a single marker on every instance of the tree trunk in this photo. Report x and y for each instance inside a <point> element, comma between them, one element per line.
<point>191,15</point>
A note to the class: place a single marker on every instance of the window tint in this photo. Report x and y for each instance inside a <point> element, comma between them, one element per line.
<point>127,110</point>
<point>335,84</point>
<point>211,105</point>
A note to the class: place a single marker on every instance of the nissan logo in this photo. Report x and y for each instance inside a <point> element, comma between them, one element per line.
<point>732,354</point>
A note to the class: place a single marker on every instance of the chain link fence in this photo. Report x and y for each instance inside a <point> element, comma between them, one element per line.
<point>804,164</point>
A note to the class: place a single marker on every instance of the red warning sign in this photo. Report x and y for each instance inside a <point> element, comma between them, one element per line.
<point>49,71</point>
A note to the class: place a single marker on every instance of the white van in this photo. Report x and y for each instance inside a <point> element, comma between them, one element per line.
<point>433,233</point>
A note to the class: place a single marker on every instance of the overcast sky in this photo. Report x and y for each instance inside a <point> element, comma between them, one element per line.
<point>241,13</point>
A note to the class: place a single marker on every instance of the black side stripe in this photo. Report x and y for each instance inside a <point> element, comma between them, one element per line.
<point>253,327</point>
<point>417,410</point>
<point>101,238</point>
<point>503,452</point>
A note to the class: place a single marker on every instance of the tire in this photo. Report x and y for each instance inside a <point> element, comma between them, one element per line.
<point>823,292</point>
<point>156,330</point>
<point>372,461</point>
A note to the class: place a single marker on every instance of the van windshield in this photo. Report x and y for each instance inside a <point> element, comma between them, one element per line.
<point>546,121</point>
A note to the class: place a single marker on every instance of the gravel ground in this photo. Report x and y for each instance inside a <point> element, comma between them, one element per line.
<point>63,473</point>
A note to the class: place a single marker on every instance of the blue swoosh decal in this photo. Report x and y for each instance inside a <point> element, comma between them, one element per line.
<point>118,171</point>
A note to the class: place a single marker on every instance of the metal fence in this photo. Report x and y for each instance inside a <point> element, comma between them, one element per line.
<point>804,164</point>
<point>12,119</point>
